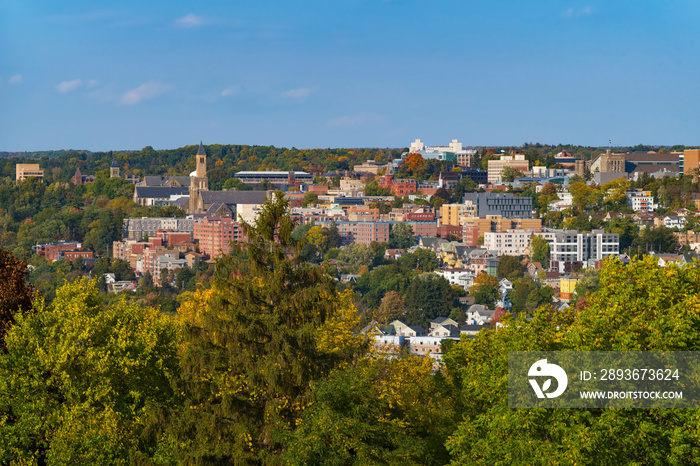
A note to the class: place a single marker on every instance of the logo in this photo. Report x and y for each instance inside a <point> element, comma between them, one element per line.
<point>542,369</point>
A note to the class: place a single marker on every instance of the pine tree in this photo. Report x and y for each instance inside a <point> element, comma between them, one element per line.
<point>254,346</point>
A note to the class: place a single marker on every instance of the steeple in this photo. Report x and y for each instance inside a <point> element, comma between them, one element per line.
<point>198,180</point>
<point>114,168</point>
<point>201,149</point>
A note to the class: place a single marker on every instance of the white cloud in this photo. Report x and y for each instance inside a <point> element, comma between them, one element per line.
<point>229,91</point>
<point>573,13</point>
<point>16,79</point>
<point>298,94</point>
<point>353,121</point>
<point>67,86</point>
<point>93,83</point>
<point>144,92</point>
<point>190,21</point>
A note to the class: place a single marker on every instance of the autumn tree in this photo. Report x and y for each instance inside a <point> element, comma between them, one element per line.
<point>15,294</point>
<point>484,289</point>
<point>391,308</point>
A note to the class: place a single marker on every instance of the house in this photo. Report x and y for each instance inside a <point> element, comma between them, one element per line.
<point>425,346</point>
<point>413,331</point>
<point>394,253</point>
<point>445,331</point>
<point>396,327</point>
<point>441,321</point>
<point>116,287</point>
<point>534,268</point>
<point>479,314</point>
<point>674,221</point>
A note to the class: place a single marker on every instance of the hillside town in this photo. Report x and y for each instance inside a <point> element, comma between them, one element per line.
<point>468,217</point>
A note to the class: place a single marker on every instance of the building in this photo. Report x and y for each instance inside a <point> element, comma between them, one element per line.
<point>79,178</point>
<point>609,163</point>
<point>215,235</point>
<point>160,195</point>
<point>369,166</point>
<point>474,227</point>
<point>274,177</point>
<point>141,228</point>
<point>28,170</point>
<point>689,161</point>
<point>56,250</point>
<point>567,286</point>
<point>504,204</point>
<point>509,242</point>
<point>453,152</point>
<point>640,200</point>
<point>114,173</point>
<point>571,250</point>
<point>199,182</point>
<point>495,167</point>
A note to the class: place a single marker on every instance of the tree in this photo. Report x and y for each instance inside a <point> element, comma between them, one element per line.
<point>527,295</point>
<point>309,198</point>
<point>80,380</point>
<point>540,251</point>
<point>511,174</point>
<point>270,325</point>
<point>428,296</point>
<point>401,236</point>
<point>373,189</point>
<point>639,307</point>
<point>15,294</point>
<point>509,267</point>
<point>379,411</point>
<point>659,239</point>
<point>334,239</point>
<point>484,289</point>
<point>391,308</point>
<point>354,256</point>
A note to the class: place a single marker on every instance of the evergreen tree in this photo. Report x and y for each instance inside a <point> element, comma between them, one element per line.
<point>255,343</point>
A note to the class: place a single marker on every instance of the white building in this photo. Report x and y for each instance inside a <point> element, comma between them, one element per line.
<point>674,221</point>
<point>640,200</point>
<point>572,250</point>
<point>462,155</point>
<point>458,276</point>
<point>509,242</point>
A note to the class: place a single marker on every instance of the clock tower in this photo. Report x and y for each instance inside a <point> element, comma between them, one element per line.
<point>198,181</point>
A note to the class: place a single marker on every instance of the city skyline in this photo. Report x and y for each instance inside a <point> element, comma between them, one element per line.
<point>75,75</point>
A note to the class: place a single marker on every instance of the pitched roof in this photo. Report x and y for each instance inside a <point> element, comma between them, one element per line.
<point>233,197</point>
<point>201,151</point>
<point>114,163</point>
<point>159,191</point>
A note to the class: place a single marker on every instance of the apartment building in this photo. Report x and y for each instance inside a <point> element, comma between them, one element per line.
<point>215,234</point>
<point>572,250</point>
<point>640,200</point>
<point>509,242</point>
<point>142,228</point>
<point>504,204</point>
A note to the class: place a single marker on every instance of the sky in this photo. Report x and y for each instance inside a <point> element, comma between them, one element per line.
<point>78,74</point>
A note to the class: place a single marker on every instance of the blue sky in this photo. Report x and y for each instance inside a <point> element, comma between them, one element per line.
<point>364,73</point>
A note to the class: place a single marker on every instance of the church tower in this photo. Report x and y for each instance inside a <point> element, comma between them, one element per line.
<point>114,169</point>
<point>198,181</point>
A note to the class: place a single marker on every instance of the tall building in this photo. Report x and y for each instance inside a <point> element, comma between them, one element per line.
<point>28,170</point>
<point>571,250</point>
<point>690,161</point>
<point>114,169</point>
<point>198,180</point>
<point>504,204</point>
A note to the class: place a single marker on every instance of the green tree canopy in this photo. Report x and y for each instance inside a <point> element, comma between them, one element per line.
<point>79,380</point>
